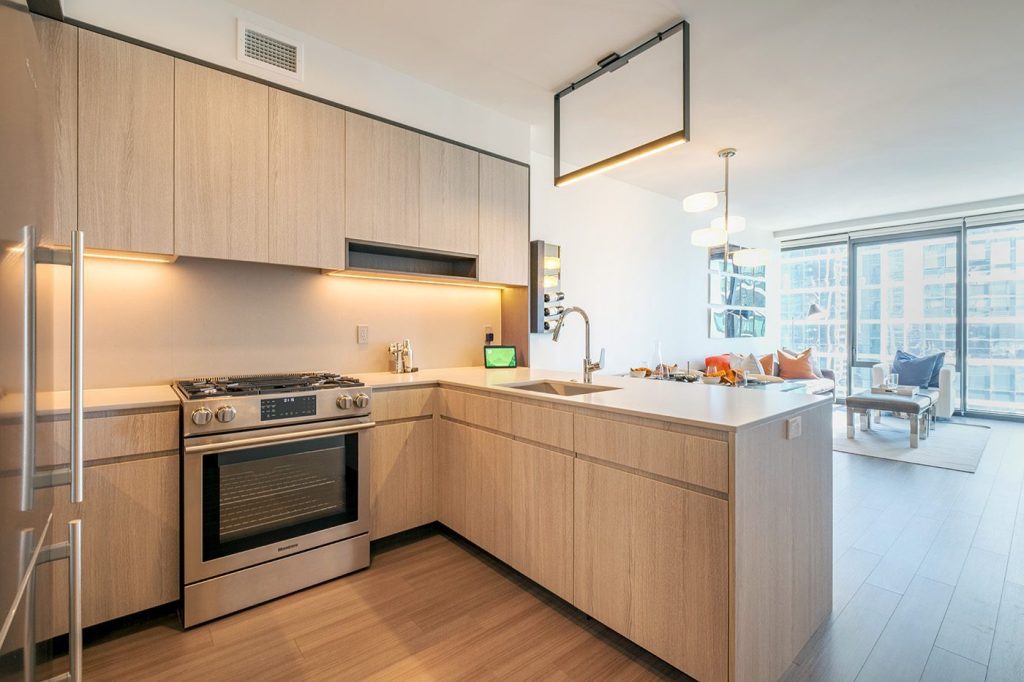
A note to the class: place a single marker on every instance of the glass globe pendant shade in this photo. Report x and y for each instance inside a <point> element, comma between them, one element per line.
<point>702,201</point>
<point>737,223</point>
<point>709,237</point>
<point>750,258</point>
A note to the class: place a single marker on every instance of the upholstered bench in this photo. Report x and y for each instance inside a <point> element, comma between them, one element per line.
<point>918,409</point>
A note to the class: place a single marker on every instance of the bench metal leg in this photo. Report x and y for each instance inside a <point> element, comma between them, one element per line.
<point>865,420</point>
<point>925,428</point>
<point>849,423</point>
<point>878,416</point>
<point>915,422</point>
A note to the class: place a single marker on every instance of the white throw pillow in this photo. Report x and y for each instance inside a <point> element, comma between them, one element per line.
<point>751,365</point>
<point>735,361</point>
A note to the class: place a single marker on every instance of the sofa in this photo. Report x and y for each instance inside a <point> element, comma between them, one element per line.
<point>942,396</point>
<point>823,384</point>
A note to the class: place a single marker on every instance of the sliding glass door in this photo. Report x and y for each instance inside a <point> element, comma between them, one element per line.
<point>995,319</point>
<point>905,298</point>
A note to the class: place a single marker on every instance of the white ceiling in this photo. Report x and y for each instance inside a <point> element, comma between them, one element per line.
<point>838,109</point>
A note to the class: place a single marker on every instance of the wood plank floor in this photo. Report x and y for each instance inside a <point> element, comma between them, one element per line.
<point>431,608</point>
<point>928,570</point>
<point>929,585</point>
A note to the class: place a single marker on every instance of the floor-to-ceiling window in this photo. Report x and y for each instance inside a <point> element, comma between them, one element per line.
<point>906,299</point>
<point>817,276</point>
<point>995,319</point>
<point>955,287</point>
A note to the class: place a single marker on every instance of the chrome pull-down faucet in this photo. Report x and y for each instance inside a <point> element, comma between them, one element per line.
<point>589,367</point>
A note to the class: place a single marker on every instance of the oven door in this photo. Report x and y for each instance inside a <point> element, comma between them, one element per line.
<point>256,496</point>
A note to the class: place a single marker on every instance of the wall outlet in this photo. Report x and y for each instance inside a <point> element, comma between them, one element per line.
<point>488,334</point>
<point>794,427</point>
<point>362,334</point>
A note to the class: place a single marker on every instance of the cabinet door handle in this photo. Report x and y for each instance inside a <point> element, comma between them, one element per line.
<point>28,383</point>
<point>77,368</point>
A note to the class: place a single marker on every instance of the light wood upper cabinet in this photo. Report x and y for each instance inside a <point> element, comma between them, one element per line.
<point>220,165</point>
<point>59,46</point>
<point>504,222</point>
<point>449,197</point>
<point>125,145</point>
<point>307,182</point>
<point>652,563</point>
<point>381,182</point>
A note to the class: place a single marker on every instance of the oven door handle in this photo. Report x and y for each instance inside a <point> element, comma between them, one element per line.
<point>230,445</point>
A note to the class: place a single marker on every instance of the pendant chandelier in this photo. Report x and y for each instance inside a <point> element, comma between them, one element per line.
<point>717,235</point>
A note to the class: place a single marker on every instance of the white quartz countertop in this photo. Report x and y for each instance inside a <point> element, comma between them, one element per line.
<point>96,400</point>
<point>718,407</point>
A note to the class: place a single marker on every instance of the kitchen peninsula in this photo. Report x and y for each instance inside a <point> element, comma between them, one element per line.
<point>695,520</point>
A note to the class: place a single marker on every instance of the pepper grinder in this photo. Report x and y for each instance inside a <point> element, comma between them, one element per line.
<point>407,365</point>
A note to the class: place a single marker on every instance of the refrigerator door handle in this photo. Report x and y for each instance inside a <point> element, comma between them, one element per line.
<point>28,436</point>
<point>77,365</point>
<point>72,551</point>
<point>33,480</point>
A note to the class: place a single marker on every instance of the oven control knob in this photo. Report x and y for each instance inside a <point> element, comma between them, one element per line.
<point>345,401</point>
<point>362,400</point>
<point>226,413</point>
<point>202,416</point>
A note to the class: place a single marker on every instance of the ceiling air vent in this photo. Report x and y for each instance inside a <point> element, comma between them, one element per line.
<point>271,51</point>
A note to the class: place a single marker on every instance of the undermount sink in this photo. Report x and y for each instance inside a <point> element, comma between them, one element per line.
<point>565,388</point>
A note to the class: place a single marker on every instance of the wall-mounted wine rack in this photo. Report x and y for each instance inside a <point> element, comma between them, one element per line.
<point>547,301</point>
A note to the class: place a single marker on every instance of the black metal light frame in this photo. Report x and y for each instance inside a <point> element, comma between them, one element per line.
<point>611,63</point>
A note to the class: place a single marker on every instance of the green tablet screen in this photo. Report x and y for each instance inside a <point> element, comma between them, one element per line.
<point>499,356</point>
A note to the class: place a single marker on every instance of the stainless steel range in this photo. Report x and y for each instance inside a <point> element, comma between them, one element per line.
<point>275,487</point>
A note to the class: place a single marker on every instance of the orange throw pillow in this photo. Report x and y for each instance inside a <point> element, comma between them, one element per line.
<point>799,366</point>
<point>768,364</point>
<point>713,363</point>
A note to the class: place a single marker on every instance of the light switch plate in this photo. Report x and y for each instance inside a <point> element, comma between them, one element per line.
<point>794,427</point>
<point>362,334</point>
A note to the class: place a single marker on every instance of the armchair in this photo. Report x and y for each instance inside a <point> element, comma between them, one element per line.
<point>943,395</point>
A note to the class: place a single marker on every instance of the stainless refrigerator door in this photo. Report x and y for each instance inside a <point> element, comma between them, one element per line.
<point>26,199</point>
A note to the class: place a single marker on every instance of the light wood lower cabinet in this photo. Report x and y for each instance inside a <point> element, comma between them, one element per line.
<point>401,477</point>
<point>652,563</point>
<point>130,541</point>
<point>541,517</point>
<point>476,500</point>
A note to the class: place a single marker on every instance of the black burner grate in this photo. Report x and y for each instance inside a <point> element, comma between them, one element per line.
<point>260,384</point>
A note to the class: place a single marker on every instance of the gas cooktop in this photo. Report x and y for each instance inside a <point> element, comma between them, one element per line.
<point>262,384</point>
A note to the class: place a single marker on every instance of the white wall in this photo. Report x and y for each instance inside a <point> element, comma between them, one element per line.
<point>627,261</point>
<point>153,323</point>
<point>206,29</point>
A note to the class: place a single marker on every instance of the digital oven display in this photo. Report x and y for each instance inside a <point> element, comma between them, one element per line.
<point>285,408</point>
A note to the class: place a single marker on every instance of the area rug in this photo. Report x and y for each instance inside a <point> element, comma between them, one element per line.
<point>951,445</point>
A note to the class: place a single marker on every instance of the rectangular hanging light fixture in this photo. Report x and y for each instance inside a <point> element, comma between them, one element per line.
<point>613,63</point>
